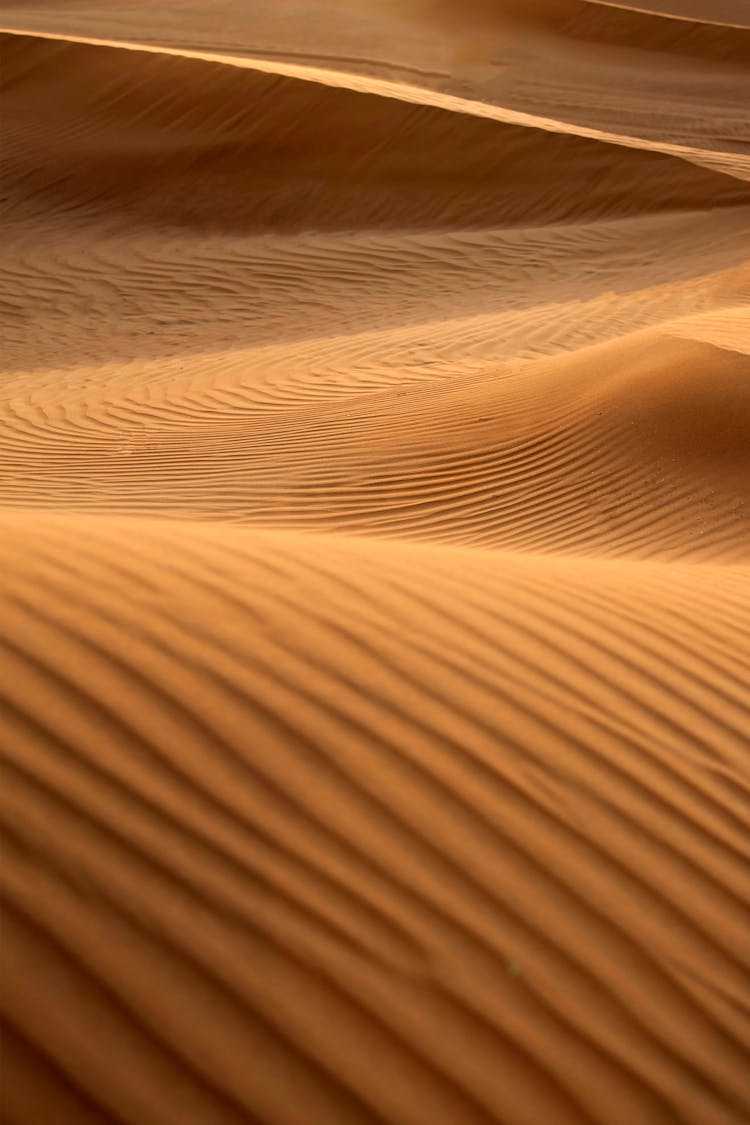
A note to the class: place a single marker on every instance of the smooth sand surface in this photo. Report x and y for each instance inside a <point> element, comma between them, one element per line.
<point>375,562</point>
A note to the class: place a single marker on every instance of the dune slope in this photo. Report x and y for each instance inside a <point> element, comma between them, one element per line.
<point>374,563</point>
<point>337,830</point>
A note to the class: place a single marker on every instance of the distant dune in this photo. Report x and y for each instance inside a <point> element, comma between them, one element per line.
<point>375,562</point>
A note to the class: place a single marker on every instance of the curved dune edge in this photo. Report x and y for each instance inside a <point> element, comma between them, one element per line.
<point>726,13</point>
<point>296,806</point>
<point>735,163</point>
<point>189,130</point>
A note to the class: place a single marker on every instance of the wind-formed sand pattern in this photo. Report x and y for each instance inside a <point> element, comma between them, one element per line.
<point>375,562</point>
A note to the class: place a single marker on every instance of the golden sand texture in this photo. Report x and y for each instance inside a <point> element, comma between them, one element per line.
<point>375,562</point>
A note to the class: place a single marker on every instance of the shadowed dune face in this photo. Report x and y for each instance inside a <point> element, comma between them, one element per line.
<point>219,148</point>
<point>374,563</point>
<point>578,67</point>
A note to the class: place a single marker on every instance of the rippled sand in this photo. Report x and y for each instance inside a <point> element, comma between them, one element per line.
<point>375,562</point>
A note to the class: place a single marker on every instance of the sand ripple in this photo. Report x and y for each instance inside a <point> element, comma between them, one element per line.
<point>375,554</point>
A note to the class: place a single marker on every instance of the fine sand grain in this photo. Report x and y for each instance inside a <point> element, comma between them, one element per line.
<point>375,562</point>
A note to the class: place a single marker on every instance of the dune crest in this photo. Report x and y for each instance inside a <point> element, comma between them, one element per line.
<point>375,556</point>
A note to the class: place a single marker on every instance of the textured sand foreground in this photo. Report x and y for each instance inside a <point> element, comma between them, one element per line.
<point>375,562</point>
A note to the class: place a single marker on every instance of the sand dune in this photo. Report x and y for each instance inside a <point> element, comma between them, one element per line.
<point>649,459</point>
<point>375,556</point>
<point>729,13</point>
<point>467,799</point>
<point>568,66</point>
<point>186,132</point>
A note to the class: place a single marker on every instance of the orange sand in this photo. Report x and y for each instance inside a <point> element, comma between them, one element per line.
<point>375,562</point>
